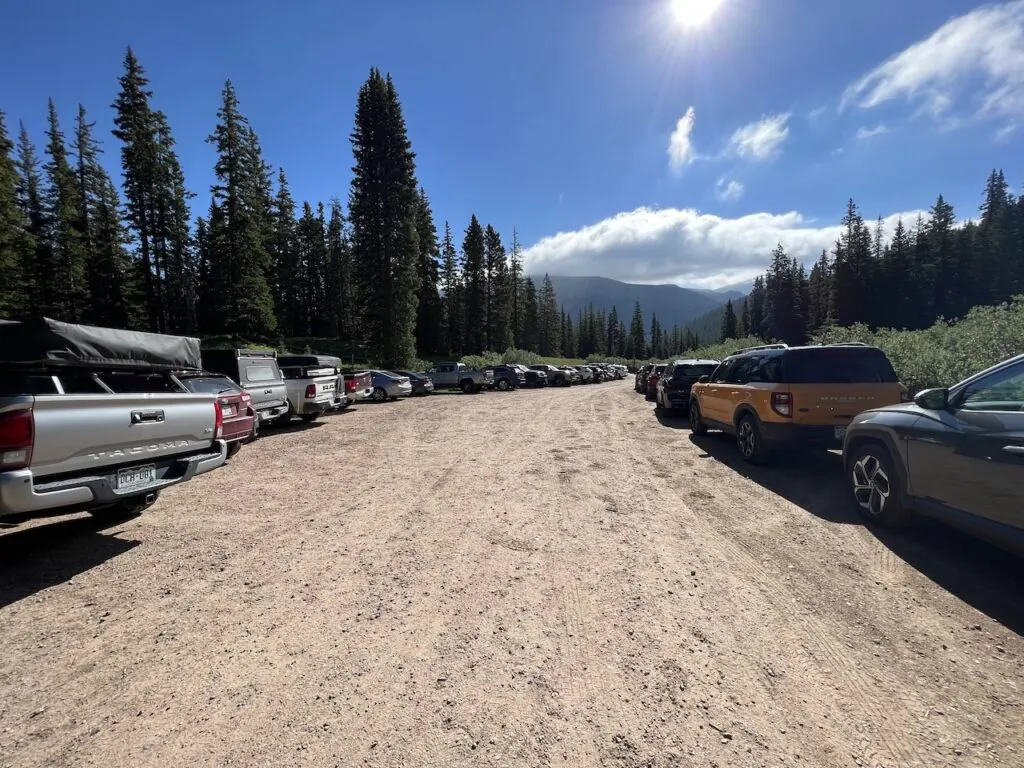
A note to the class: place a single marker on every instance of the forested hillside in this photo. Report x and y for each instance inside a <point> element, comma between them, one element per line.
<point>377,275</point>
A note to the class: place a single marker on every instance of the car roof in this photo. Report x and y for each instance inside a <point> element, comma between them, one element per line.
<point>691,361</point>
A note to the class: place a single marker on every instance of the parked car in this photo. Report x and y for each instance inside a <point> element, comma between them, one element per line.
<point>257,372</point>
<point>651,387</point>
<point>556,376</point>
<point>673,389</point>
<point>69,441</point>
<point>575,377</point>
<point>533,378</point>
<point>358,385</point>
<point>586,374</point>
<point>388,385</point>
<point>640,381</point>
<point>774,397</point>
<point>312,384</point>
<point>240,423</point>
<point>956,455</point>
<point>459,376</point>
<point>421,383</point>
<point>507,377</point>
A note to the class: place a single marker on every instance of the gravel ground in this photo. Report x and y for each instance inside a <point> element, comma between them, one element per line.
<point>555,577</point>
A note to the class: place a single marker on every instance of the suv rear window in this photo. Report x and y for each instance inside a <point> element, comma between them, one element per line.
<point>837,365</point>
<point>693,371</point>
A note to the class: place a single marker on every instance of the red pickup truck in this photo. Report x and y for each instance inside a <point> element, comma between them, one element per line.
<point>358,385</point>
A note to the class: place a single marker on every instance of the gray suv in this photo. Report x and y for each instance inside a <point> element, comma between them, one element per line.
<point>954,454</point>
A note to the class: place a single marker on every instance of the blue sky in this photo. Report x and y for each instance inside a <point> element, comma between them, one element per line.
<point>617,138</point>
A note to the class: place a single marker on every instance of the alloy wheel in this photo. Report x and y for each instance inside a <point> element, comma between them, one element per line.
<point>871,488</point>
<point>746,438</point>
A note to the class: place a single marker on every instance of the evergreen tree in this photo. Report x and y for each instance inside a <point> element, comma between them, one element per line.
<point>342,321</point>
<point>286,283</point>
<point>623,337</point>
<point>453,307</point>
<point>655,348</point>
<point>428,311</point>
<point>570,347</point>
<point>612,333</point>
<point>531,317</point>
<point>547,317</point>
<point>310,245</point>
<point>64,290</point>
<point>499,293</point>
<point>474,276</point>
<point>515,281</point>
<point>383,216</point>
<point>818,289</point>
<point>637,346</point>
<point>729,330</point>
<point>755,301</point>
<point>17,246</point>
<point>38,266</point>
<point>239,261</point>
<point>108,280</point>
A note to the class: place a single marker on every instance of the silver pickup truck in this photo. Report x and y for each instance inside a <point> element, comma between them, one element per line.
<point>92,419</point>
<point>458,376</point>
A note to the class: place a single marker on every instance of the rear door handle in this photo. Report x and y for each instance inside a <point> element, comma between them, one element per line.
<point>1016,449</point>
<point>147,417</point>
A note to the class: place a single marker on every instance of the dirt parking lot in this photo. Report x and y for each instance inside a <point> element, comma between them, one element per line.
<point>538,578</point>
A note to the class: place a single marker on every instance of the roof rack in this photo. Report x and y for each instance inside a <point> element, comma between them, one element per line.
<point>256,352</point>
<point>848,344</point>
<point>758,348</point>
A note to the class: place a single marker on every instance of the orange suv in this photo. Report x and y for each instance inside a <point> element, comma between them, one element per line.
<point>776,397</point>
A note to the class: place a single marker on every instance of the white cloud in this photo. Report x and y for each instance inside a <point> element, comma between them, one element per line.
<point>761,140</point>
<point>864,132</point>
<point>1006,132</point>
<point>683,246</point>
<point>974,61</point>
<point>817,112</point>
<point>733,190</point>
<point>680,146</point>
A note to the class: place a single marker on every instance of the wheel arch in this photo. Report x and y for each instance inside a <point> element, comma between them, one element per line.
<point>886,441</point>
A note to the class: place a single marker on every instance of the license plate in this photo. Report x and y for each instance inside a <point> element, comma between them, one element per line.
<point>136,477</point>
<point>840,433</point>
<point>230,410</point>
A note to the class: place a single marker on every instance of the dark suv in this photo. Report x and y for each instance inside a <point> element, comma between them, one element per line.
<point>954,454</point>
<point>673,389</point>
<point>507,377</point>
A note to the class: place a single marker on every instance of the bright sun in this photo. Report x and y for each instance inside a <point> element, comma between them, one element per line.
<point>694,13</point>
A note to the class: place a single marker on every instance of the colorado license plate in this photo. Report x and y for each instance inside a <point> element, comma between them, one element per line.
<point>840,433</point>
<point>136,477</point>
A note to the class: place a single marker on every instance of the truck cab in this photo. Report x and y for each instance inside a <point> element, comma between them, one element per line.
<point>312,385</point>
<point>258,374</point>
<point>459,376</point>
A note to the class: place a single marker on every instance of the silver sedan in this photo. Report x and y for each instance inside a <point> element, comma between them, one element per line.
<point>388,385</point>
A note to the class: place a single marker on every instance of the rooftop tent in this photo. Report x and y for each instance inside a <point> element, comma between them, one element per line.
<point>43,341</point>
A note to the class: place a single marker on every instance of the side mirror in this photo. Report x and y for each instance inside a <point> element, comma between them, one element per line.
<point>933,399</point>
<point>704,379</point>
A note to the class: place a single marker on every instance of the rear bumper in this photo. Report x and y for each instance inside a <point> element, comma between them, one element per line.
<point>363,394</point>
<point>269,414</point>
<point>320,405</point>
<point>342,402</point>
<point>21,494</point>
<point>802,435</point>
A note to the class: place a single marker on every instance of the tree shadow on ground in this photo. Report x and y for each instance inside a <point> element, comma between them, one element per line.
<point>36,558</point>
<point>985,577</point>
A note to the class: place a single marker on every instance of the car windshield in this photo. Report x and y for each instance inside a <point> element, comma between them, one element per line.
<point>693,371</point>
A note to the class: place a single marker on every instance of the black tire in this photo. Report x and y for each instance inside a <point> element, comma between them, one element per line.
<point>467,387</point>
<point>749,440</point>
<point>234,448</point>
<point>875,487</point>
<point>379,395</point>
<point>697,425</point>
<point>503,385</point>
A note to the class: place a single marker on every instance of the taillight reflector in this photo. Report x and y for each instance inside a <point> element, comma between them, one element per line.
<point>350,385</point>
<point>17,435</point>
<point>218,420</point>
<point>782,403</point>
<point>310,391</point>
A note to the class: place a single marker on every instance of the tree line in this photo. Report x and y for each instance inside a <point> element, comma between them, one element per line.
<point>938,267</point>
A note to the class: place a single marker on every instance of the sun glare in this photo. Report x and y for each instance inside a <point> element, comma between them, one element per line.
<point>694,13</point>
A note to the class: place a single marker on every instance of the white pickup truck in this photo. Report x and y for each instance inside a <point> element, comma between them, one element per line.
<point>312,382</point>
<point>92,419</point>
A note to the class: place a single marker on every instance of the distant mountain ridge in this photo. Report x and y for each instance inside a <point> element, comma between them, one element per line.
<point>672,304</point>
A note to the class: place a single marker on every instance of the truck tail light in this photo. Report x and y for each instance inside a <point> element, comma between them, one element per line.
<point>310,391</point>
<point>218,420</point>
<point>782,403</point>
<point>350,385</point>
<point>17,437</point>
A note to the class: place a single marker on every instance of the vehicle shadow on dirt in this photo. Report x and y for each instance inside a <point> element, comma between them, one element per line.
<point>674,419</point>
<point>295,426</point>
<point>990,580</point>
<point>36,558</point>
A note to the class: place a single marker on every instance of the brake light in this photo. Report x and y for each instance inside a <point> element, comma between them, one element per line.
<point>782,403</point>
<point>17,436</point>
<point>218,420</point>
<point>350,385</point>
<point>310,391</point>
